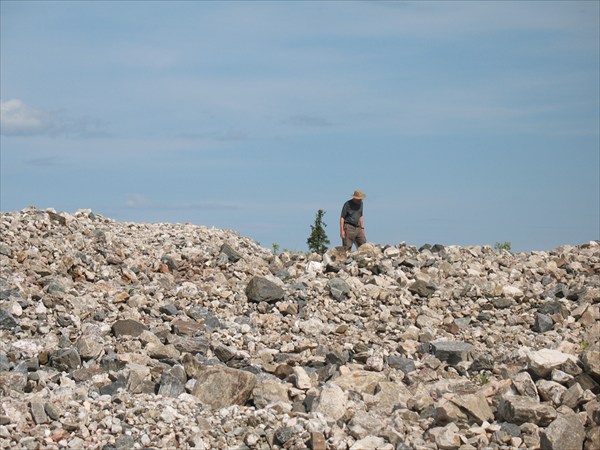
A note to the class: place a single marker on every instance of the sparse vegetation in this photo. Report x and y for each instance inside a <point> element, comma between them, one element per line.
<point>275,248</point>
<point>502,246</point>
<point>318,241</point>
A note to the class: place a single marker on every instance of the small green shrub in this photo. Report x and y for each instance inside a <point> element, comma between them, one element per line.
<point>502,246</point>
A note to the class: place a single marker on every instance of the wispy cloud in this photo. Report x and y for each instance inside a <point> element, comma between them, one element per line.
<point>17,118</point>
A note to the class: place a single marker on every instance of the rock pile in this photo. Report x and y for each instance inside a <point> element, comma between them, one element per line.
<point>130,336</point>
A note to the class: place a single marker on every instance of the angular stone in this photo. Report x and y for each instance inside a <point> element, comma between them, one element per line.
<point>422,288</point>
<point>171,384</point>
<point>169,309</point>
<point>390,395</point>
<point>369,443</point>
<point>90,346</point>
<point>591,360</point>
<point>139,379</point>
<point>338,288</point>
<point>128,327</point>
<point>300,378</point>
<point>219,387</point>
<point>518,409</point>
<point>502,302</point>
<point>361,381</point>
<point>544,361</point>
<point>573,396</point>
<point>475,405</point>
<point>447,438</point>
<point>38,412</point>
<point>551,391</point>
<point>482,361</point>
<point>317,441</point>
<point>232,254</point>
<point>365,423</point>
<point>525,386</point>
<point>406,365</point>
<point>65,360</point>
<point>260,289</point>
<point>12,381</point>
<point>191,345</point>
<point>225,353</point>
<point>269,391</point>
<point>565,432</point>
<point>7,321</point>
<point>283,435</point>
<point>184,327</point>
<point>332,402</point>
<point>52,411</point>
<point>542,323</point>
<point>452,352</point>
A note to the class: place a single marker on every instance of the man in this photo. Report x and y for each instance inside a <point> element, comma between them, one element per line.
<point>352,227</point>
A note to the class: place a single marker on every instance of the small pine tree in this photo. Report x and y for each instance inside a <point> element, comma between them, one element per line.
<point>317,241</point>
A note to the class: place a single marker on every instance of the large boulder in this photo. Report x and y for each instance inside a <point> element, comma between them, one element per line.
<point>565,432</point>
<point>219,386</point>
<point>261,289</point>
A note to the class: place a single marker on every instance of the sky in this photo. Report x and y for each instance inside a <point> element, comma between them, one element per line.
<point>464,123</point>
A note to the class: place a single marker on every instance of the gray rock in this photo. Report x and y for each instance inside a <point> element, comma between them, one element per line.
<point>5,250</point>
<point>232,254</point>
<point>482,361</point>
<point>37,411</point>
<point>283,435</point>
<point>565,432</point>
<point>225,353</point>
<point>502,302</point>
<point>171,384</point>
<point>65,360</point>
<point>519,410</point>
<point>452,352</point>
<point>52,411</point>
<point>7,321</point>
<point>422,288</point>
<point>542,323</point>
<point>169,310</point>
<point>406,365</point>
<point>525,386</point>
<point>128,327</point>
<point>338,288</point>
<point>260,289</point>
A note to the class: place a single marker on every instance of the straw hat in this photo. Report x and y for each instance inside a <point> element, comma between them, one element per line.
<point>358,195</point>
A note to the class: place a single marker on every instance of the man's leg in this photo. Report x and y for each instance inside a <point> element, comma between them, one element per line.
<point>360,237</point>
<point>350,237</point>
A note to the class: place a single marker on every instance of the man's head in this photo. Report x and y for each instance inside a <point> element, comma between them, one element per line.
<point>358,196</point>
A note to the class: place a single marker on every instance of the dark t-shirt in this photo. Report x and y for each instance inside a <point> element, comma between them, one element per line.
<point>352,212</point>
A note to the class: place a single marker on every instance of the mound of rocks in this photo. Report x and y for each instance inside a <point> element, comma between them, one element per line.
<point>138,336</point>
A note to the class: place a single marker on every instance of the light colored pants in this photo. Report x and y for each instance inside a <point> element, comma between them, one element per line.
<point>354,235</point>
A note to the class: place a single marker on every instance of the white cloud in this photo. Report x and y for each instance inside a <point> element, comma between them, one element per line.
<point>19,119</point>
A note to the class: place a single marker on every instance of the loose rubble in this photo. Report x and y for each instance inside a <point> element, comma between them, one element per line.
<point>145,336</point>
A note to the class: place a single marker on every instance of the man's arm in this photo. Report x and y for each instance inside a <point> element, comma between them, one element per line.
<point>342,232</point>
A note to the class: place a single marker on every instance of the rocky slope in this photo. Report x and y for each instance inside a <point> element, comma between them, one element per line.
<point>123,335</point>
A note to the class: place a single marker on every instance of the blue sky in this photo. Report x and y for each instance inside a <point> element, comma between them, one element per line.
<point>465,123</point>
